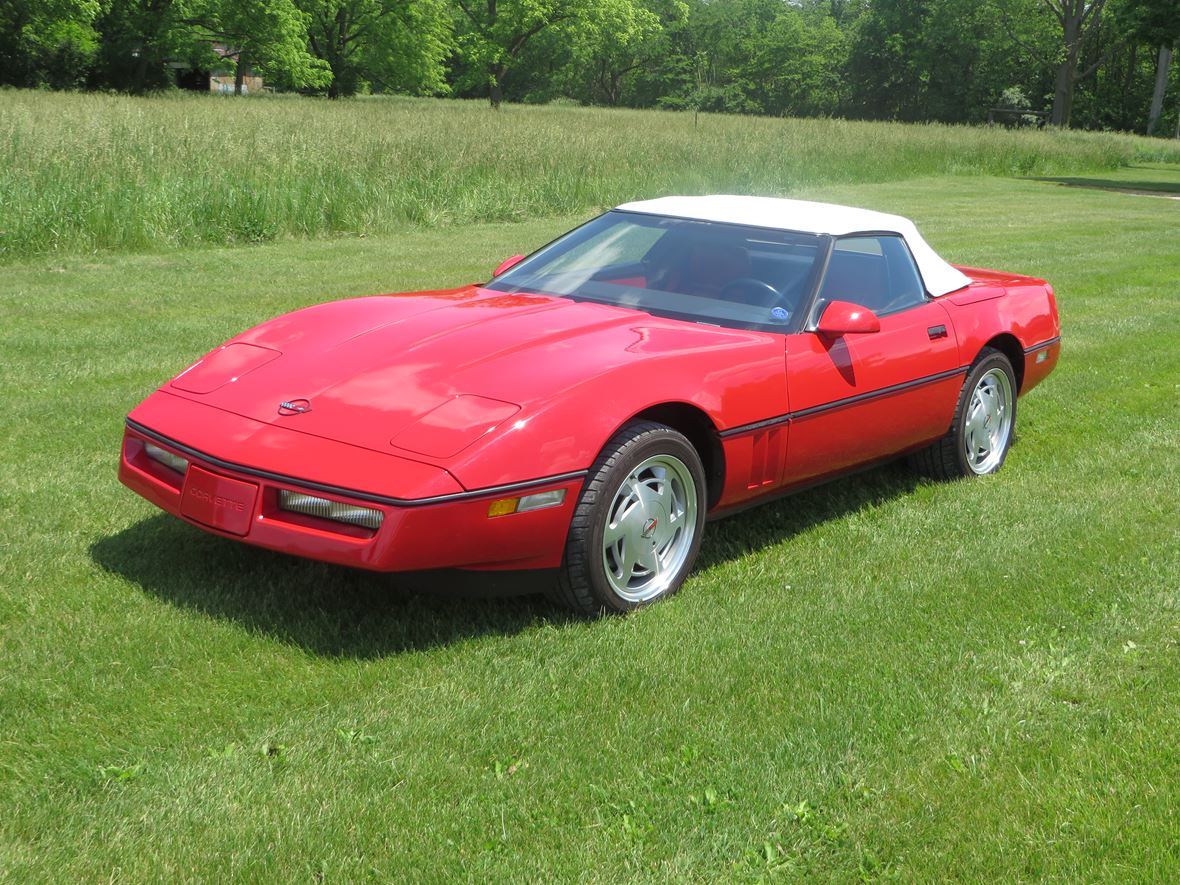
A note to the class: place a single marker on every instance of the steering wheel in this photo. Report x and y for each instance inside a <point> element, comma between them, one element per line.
<point>763,294</point>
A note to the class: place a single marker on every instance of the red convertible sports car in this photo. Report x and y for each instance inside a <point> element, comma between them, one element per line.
<point>588,408</point>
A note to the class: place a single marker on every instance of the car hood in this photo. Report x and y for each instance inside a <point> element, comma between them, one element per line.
<point>428,373</point>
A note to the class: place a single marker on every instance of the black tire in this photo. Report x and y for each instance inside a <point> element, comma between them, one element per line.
<point>948,457</point>
<point>583,583</point>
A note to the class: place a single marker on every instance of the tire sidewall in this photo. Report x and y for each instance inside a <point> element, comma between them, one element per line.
<point>656,442</point>
<point>990,359</point>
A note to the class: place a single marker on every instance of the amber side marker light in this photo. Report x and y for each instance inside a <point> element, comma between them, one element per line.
<point>539,501</point>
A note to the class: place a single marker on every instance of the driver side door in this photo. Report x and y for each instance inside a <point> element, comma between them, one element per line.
<point>861,397</point>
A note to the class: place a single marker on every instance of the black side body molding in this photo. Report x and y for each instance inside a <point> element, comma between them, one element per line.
<point>787,417</point>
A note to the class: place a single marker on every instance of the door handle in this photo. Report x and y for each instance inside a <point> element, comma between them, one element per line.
<point>936,332</point>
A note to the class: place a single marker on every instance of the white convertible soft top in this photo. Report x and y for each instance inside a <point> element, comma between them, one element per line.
<point>813,218</point>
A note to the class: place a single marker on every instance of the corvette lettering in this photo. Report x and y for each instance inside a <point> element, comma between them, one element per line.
<point>218,500</point>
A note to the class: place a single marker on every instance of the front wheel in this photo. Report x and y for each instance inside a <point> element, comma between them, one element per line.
<point>637,527</point>
<point>984,423</point>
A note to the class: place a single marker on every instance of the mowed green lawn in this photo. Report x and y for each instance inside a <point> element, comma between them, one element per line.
<point>884,677</point>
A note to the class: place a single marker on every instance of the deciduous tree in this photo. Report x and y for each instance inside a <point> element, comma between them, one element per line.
<point>267,34</point>
<point>607,52</point>
<point>494,34</point>
<point>1078,19</point>
<point>397,45</point>
<point>140,37</point>
<point>47,42</point>
<point>1157,23</point>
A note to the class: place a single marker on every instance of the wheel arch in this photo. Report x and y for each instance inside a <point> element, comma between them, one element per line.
<point>1009,345</point>
<point>696,425</point>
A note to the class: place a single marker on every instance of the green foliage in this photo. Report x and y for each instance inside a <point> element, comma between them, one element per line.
<point>715,48</point>
<point>408,55</point>
<point>80,173</point>
<point>139,39</point>
<point>269,35</point>
<point>47,42</point>
<point>1156,22</point>
<point>607,54</point>
<point>380,45</point>
<point>947,59</point>
<point>492,37</point>
<point>934,60</point>
<point>796,62</point>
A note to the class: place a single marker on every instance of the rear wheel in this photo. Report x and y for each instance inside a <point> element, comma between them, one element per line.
<point>637,528</point>
<point>984,423</point>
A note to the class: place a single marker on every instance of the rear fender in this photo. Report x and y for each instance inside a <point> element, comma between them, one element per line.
<point>1024,309</point>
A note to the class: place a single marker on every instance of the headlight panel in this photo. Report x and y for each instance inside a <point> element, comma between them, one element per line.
<point>322,508</point>
<point>163,456</point>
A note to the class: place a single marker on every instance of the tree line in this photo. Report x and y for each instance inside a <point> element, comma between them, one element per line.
<point>1088,63</point>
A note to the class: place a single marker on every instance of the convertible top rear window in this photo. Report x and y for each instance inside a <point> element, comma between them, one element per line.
<point>722,274</point>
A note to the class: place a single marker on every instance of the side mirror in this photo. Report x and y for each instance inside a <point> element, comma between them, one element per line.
<point>507,263</point>
<point>842,318</point>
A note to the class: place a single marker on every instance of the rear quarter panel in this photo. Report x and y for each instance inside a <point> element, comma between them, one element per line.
<point>997,303</point>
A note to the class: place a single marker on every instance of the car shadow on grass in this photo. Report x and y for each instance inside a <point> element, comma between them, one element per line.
<point>325,609</point>
<point>768,524</point>
<point>337,611</point>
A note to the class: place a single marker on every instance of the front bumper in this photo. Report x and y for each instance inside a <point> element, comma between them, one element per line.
<point>451,530</point>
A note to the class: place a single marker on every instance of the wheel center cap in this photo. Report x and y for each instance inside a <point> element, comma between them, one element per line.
<point>649,528</point>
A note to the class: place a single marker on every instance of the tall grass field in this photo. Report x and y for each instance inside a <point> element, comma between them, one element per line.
<point>91,172</point>
<point>882,679</point>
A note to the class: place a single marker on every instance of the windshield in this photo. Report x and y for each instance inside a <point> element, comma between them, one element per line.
<point>722,274</point>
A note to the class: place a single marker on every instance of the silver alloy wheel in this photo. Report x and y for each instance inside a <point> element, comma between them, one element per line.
<point>989,422</point>
<point>649,528</point>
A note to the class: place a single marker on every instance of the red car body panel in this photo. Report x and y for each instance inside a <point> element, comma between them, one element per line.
<point>429,406</point>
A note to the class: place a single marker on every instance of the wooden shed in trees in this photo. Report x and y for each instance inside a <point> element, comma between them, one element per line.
<point>224,79</point>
